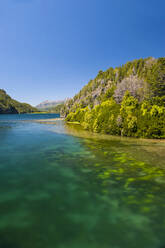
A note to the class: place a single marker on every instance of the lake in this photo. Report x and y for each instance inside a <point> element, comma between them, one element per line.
<point>62,187</point>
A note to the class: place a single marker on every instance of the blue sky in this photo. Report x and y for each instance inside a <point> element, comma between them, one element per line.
<point>49,49</point>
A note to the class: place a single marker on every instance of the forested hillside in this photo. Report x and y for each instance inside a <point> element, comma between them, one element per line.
<point>11,106</point>
<point>128,100</point>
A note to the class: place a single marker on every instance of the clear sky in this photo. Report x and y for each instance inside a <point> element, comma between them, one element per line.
<point>49,49</point>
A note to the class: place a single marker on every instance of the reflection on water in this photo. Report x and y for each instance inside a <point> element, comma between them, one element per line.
<point>63,187</point>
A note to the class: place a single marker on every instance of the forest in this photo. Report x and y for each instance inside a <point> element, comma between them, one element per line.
<point>127,101</point>
<point>11,106</point>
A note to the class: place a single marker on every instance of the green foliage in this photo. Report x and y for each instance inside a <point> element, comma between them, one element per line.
<point>128,119</point>
<point>102,118</point>
<point>151,120</point>
<point>128,100</point>
<point>128,112</point>
<point>78,116</point>
<point>109,93</point>
<point>155,76</point>
<point>10,106</point>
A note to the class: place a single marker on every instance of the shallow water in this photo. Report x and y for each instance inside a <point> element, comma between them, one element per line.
<point>63,187</point>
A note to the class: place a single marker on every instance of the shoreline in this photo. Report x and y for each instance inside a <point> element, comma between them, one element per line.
<point>50,120</point>
<point>93,134</point>
<point>109,136</point>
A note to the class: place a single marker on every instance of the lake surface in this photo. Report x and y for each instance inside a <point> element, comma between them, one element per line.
<point>61,187</point>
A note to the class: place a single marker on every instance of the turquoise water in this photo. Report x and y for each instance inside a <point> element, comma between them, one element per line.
<point>61,187</point>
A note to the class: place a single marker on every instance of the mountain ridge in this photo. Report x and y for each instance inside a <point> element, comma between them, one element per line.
<point>46,105</point>
<point>11,106</point>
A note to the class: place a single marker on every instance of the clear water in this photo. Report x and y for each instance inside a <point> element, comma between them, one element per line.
<point>61,187</point>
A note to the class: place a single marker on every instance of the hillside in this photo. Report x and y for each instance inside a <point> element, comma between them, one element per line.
<point>128,100</point>
<point>47,105</point>
<point>57,109</point>
<point>11,106</point>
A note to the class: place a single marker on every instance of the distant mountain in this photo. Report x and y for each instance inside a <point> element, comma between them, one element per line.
<point>46,105</point>
<point>11,106</point>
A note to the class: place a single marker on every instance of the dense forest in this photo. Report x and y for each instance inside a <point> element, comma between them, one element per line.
<point>128,100</point>
<point>11,106</point>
